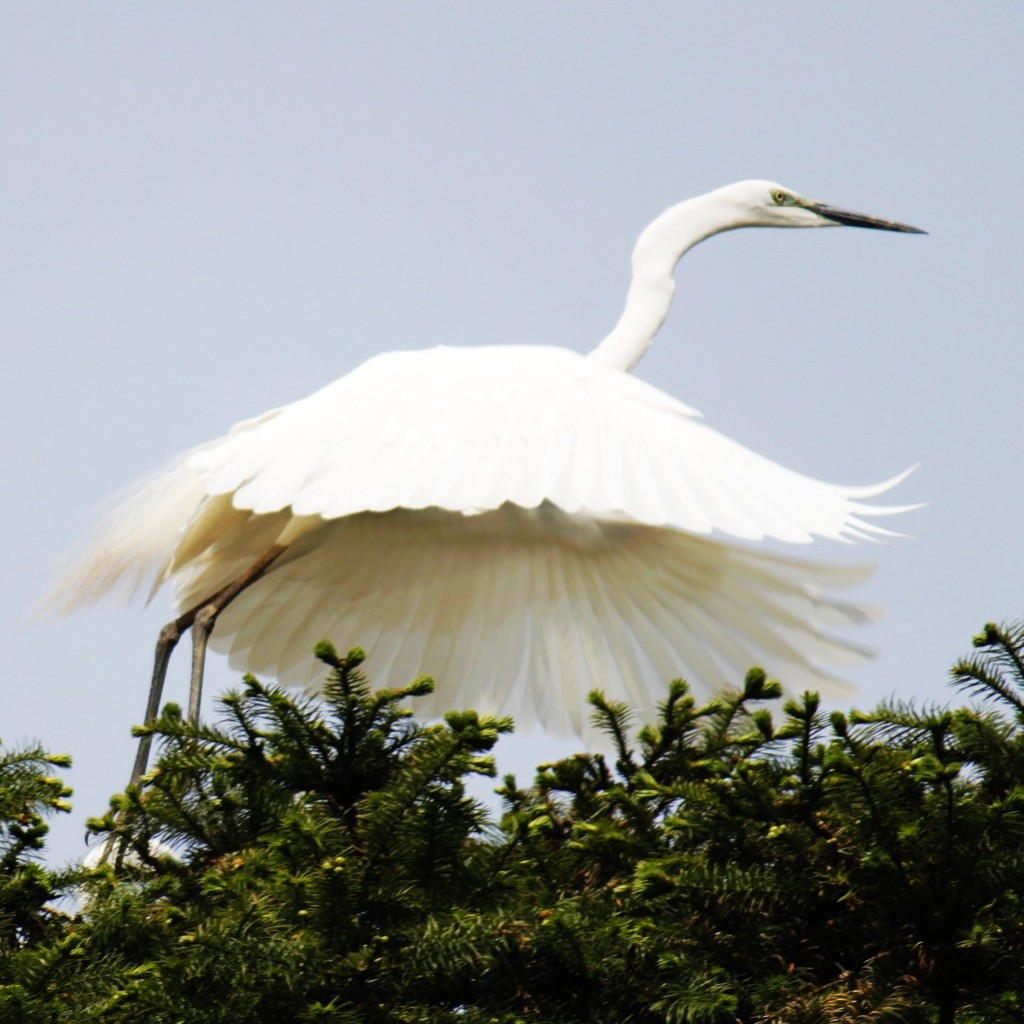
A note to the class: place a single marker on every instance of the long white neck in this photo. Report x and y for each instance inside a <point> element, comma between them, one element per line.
<point>657,252</point>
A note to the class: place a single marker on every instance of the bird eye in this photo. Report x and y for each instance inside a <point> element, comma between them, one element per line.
<point>779,197</point>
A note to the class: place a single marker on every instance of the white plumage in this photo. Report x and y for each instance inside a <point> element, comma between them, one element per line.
<point>523,523</point>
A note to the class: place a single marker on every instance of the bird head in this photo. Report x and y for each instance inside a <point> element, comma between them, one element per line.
<point>769,204</point>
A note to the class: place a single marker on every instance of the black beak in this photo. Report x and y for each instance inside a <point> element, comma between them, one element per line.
<point>860,220</point>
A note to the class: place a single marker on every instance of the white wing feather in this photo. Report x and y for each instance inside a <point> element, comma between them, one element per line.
<point>474,429</point>
<point>523,523</point>
<point>523,612</point>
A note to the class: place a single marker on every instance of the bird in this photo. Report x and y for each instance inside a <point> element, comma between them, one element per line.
<point>523,523</point>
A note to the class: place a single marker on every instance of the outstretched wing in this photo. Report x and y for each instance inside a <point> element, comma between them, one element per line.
<point>475,429</point>
<point>522,523</point>
<point>523,612</point>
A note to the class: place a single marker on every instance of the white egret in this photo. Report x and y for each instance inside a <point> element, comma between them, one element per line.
<point>524,523</point>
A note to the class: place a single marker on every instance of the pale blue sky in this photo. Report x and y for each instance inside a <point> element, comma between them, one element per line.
<point>210,209</point>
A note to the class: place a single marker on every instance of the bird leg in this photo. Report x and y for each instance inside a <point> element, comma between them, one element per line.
<point>166,642</point>
<point>200,620</point>
<point>202,627</point>
<point>205,616</point>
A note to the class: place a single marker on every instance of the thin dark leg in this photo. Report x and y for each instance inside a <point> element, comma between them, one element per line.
<point>204,618</point>
<point>201,630</point>
<point>201,620</point>
<point>168,640</point>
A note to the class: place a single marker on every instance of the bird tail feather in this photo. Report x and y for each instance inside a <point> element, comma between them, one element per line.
<point>132,547</point>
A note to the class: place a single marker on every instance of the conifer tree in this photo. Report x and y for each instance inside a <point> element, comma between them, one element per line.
<point>29,793</point>
<point>320,860</point>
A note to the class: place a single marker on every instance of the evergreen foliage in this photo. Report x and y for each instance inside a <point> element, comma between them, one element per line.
<point>320,860</point>
<point>29,926</point>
